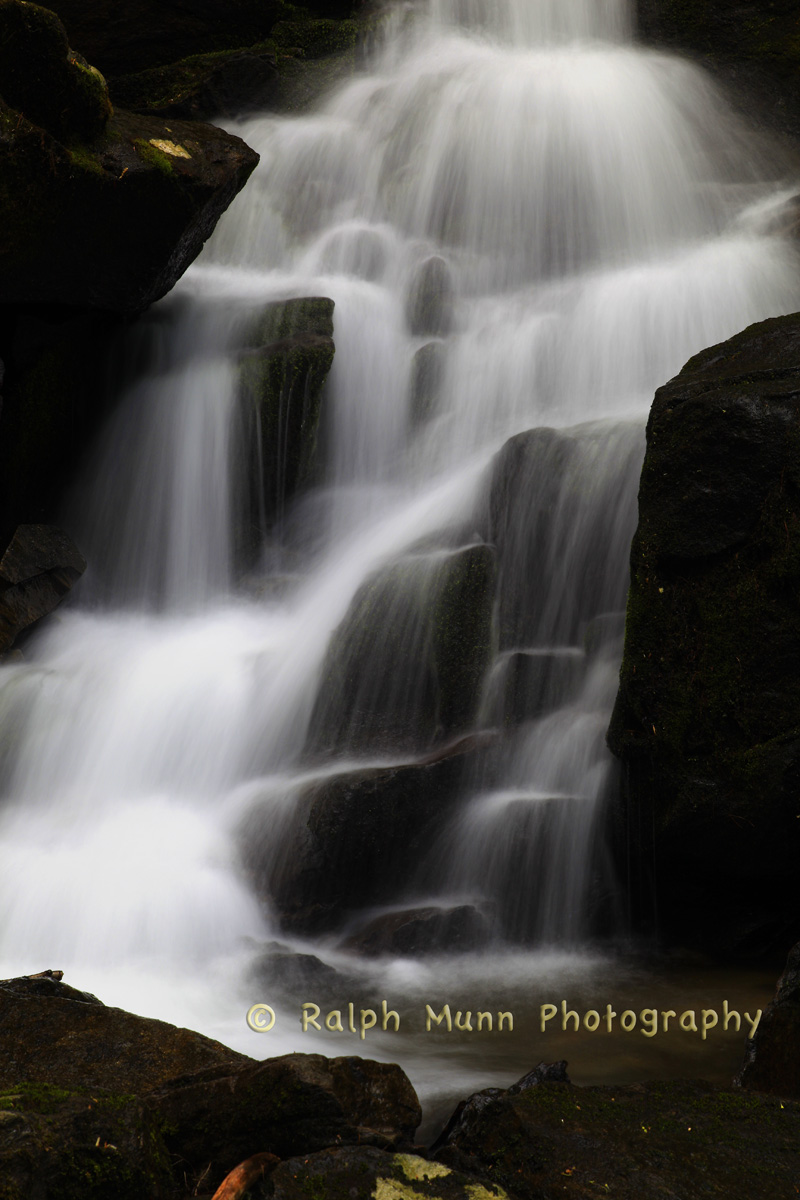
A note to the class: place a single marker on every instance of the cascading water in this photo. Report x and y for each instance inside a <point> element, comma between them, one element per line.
<point>527,223</point>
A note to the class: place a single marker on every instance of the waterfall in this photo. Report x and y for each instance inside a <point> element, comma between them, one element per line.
<point>526,223</point>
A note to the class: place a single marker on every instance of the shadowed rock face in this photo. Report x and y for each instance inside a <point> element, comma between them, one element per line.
<point>707,718</point>
<point>754,46</point>
<point>39,567</point>
<point>772,1057</point>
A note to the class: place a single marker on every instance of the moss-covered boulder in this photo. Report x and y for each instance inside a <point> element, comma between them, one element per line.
<point>289,352</point>
<point>354,839</point>
<point>45,81</point>
<point>754,46</point>
<point>60,1143</point>
<point>639,1142</point>
<point>227,83</point>
<point>707,720</point>
<point>366,1174</point>
<point>405,667</point>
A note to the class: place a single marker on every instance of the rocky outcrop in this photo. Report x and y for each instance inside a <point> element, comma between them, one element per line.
<point>289,352</point>
<point>405,667</point>
<point>415,932</point>
<point>707,720</point>
<point>754,46</point>
<point>355,839</point>
<point>772,1057</point>
<point>352,1171</point>
<point>37,570</point>
<point>111,1104</point>
<point>544,1138</point>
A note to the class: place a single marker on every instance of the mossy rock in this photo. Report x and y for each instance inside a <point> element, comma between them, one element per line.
<point>226,83</point>
<point>113,223</point>
<point>356,1173</point>
<point>80,1144</point>
<point>41,78</point>
<point>405,667</point>
<point>708,713</point>
<point>633,1143</point>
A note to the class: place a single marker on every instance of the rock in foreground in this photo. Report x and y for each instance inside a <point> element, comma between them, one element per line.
<point>772,1058</point>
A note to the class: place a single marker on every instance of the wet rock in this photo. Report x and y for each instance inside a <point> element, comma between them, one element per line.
<point>633,1141</point>
<point>708,711</point>
<point>356,839</point>
<point>283,972</point>
<point>296,1104</point>
<point>557,503</point>
<point>416,932</point>
<point>62,1143</point>
<point>527,683</point>
<point>427,373</point>
<point>604,634</point>
<point>37,570</point>
<point>90,1045</point>
<point>226,84</point>
<point>97,212</point>
<point>429,307</point>
<point>405,667</point>
<point>772,1057</point>
<point>283,371</point>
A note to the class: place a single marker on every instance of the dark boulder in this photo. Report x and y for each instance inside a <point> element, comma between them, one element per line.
<point>355,839</point>
<point>415,932</point>
<point>226,84</point>
<point>707,719</point>
<point>44,80</point>
<point>427,374</point>
<point>296,1104</point>
<point>289,352</point>
<point>37,570</point>
<point>405,667</point>
<point>772,1057</point>
<point>552,1139</point>
<point>90,1045</point>
<point>60,1143</point>
<point>527,683</point>
<point>114,223</point>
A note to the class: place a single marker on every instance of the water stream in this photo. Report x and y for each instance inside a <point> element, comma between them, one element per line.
<point>597,214</point>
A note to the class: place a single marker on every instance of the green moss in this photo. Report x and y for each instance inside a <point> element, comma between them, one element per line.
<point>153,156</point>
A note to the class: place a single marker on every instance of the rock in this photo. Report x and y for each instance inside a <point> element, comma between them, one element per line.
<point>62,1143</point>
<point>707,719</point>
<point>356,1172</point>
<point>751,45</point>
<point>429,307</point>
<point>283,972</point>
<point>604,634</point>
<point>405,667</point>
<point>226,84</point>
<point>355,839</point>
<point>554,1138</point>
<point>37,570</point>
<point>90,1045</point>
<point>296,1104</point>
<point>527,683</point>
<point>772,1057</point>
<point>282,374</point>
<point>548,523</point>
<point>427,373</point>
<point>419,931</point>
<point>110,224</point>
<point>44,80</point>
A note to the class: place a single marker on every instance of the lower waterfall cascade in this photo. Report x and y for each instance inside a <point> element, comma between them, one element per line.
<point>518,193</point>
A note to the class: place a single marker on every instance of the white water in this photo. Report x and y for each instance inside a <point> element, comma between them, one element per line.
<point>603,217</point>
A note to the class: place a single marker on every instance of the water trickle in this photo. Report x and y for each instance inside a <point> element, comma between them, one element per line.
<point>527,223</point>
